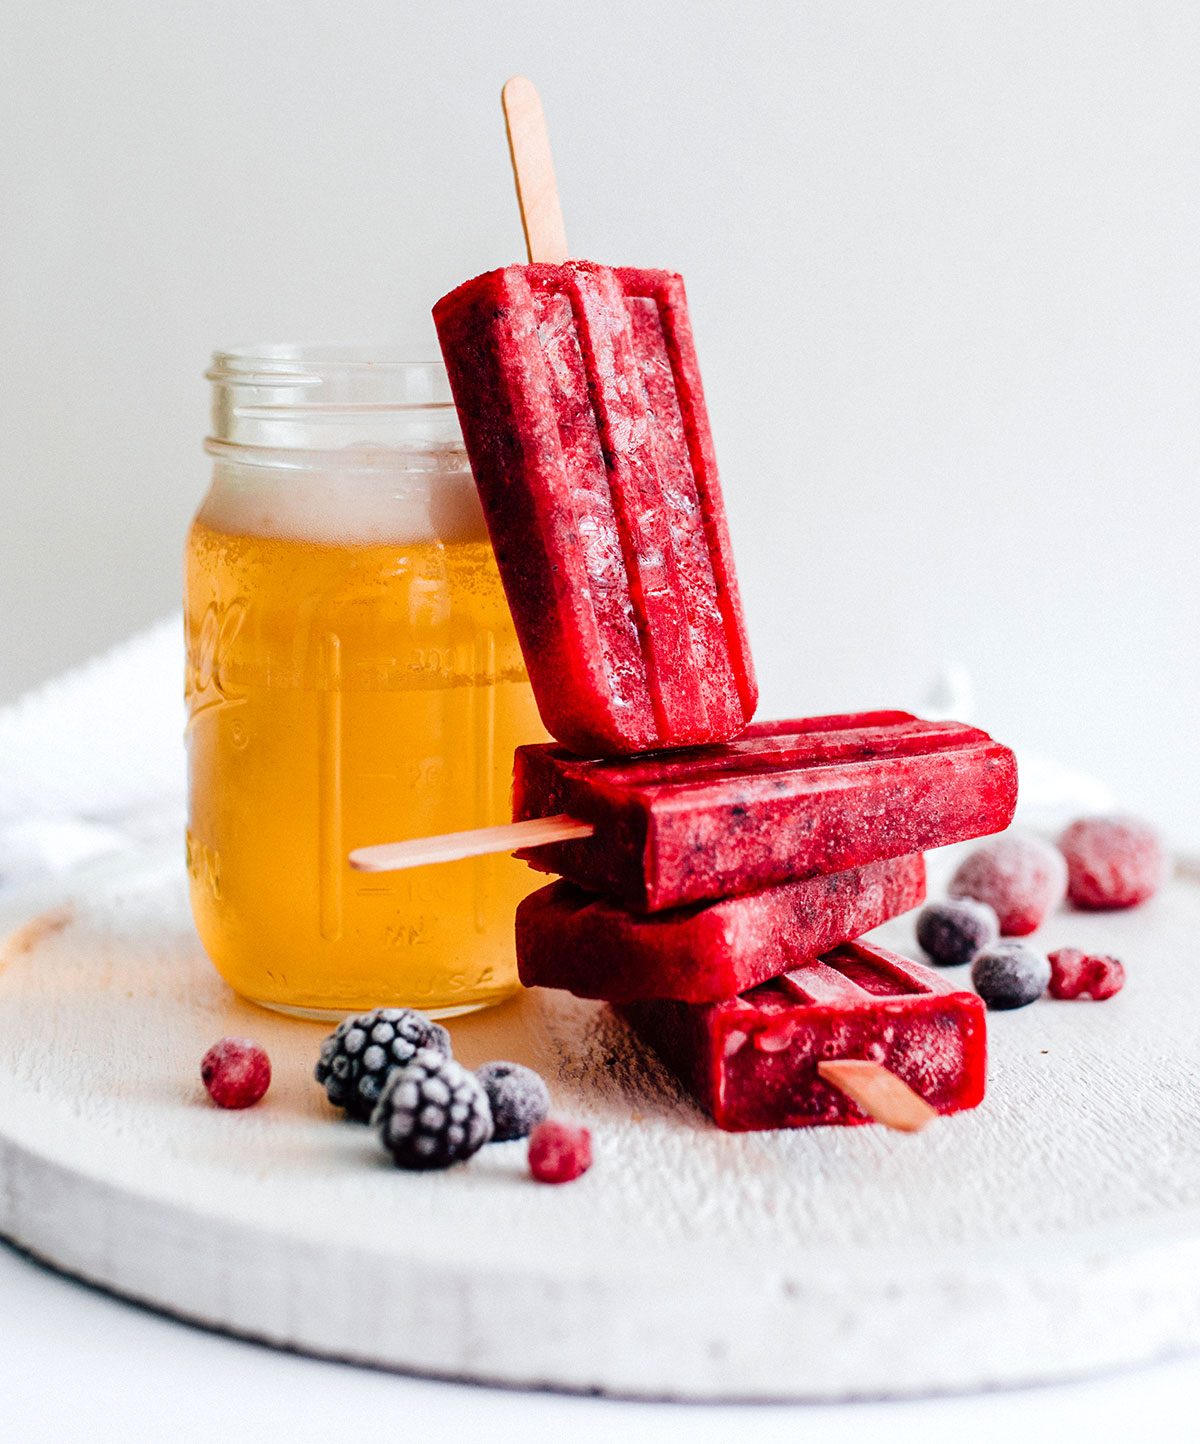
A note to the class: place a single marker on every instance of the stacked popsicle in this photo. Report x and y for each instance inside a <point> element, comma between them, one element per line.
<point>714,872</point>
<point>718,897</point>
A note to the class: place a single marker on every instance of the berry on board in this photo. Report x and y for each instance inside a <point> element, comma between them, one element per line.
<point>1010,975</point>
<point>1076,974</point>
<point>236,1072</point>
<point>559,1151</point>
<point>1019,875</point>
<point>518,1096</point>
<point>433,1113</point>
<point>953,932</point>
<point>1112,862</point>
<point>358,1058</point>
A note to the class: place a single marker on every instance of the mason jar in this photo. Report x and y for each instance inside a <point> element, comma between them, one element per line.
<point>352,678</point>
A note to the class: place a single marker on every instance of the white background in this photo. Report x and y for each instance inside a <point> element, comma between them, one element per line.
<point>944,267</point>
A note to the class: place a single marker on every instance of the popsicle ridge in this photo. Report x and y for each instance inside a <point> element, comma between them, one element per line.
<point>658,310</point>
<point>815,983</point>
<point>771,753</point>
<point>667,635</point>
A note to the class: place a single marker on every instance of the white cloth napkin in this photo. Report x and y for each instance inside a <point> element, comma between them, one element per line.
<point>92,762</point>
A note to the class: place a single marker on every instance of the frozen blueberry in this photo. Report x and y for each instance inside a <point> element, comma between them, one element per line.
<point>953,932</point>
<point>1009,975</point>
<point>519,1099</point>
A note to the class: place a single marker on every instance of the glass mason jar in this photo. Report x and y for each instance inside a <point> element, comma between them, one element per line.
<point>352,677</point>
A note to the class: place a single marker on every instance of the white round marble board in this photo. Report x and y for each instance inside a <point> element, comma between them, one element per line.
<point>1053,1232</point>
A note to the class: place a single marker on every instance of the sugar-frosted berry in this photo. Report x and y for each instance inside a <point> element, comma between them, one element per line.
<point>358,1058</point>
<point>518,1096</point>
<point>1009,975</point>
<point>559,1151</point>
<point>236,1072</point>
<point>1112,862</point>
<point>1019,875</point>
<point>433,1113</point>
<point>1076,974</point>
<point>953,932</point>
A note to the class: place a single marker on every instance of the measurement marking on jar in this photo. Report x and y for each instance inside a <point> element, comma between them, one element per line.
<point>484,699</point>
<point>332,848</point>
<point>405,937</point>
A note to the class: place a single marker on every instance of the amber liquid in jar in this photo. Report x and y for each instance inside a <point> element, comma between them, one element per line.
<point>353,677</point>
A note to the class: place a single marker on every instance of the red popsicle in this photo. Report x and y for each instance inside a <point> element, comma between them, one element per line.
<point>579,395</point>
<point>752,1061</point>
<point>786,800</point>
<point>595,948</point>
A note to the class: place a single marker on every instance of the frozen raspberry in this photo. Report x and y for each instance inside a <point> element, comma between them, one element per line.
<point>1075,974</point>
<point>518,1096</point>
<point>433,1113</point>
<point>236,1072</point>
<point>1019,875</point>
<point>953,932</point>
<point>559,1152</point>
<point>1009,975</point>
<point>358,1058</point>
<point>1112,862</point>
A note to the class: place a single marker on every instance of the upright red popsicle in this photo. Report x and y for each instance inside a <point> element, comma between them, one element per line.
<point>579,396</point>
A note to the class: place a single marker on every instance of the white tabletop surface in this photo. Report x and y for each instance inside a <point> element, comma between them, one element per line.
<point>76,1364</point>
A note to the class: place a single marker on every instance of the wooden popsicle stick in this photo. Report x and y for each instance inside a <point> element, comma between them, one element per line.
<point>888,1099</point>
<point>533,170</point>
<point>476,842</point>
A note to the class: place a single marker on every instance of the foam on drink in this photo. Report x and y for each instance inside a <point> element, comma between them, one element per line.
<point>389,504</point>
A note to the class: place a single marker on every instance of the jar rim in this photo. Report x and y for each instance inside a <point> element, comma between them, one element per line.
<point>303,366</point>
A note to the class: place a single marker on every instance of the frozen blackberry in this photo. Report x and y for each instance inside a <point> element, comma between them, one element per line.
<point>358,1058</point>
<point>433,1113</point>
<point>953,932</point>
<point>519,1099</point>
<point>1009,975</point>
